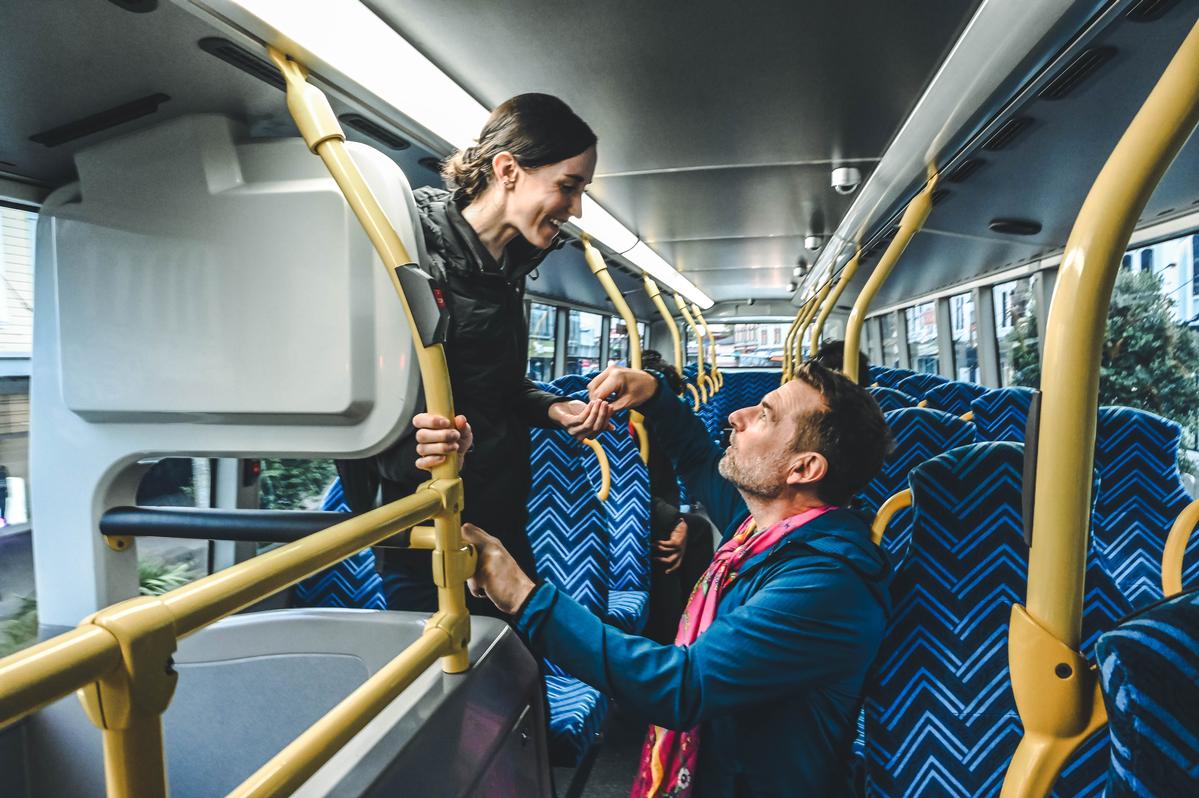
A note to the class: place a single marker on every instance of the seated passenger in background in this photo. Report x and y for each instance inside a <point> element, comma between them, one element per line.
<point>832,356</point>
<point>760,693</point>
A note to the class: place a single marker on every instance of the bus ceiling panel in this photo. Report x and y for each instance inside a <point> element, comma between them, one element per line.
<point>564,276</point>
<point>118,57</point>
<point>1002,47</point>
<point>731,284</point>
<point>755,252</point>
<point>668,85</point>
<point>728,202</point>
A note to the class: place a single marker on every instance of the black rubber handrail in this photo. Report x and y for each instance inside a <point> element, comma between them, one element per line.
<point>259,526</point>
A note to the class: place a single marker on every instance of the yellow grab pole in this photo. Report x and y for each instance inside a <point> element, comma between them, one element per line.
<point>655,295</point>
<point>605,468</point>
<point>847,274</point>
<point>1056,691</point>
<point>600,269</point>
<point>793,348</point>
<point>911,222</point>
<point>319,127</point>
<point>817,306</point>
<point>716,378</point>
<point>878,527</point>
<point>788,339</point>
<point>1174,552</point>
<point>700,381</point>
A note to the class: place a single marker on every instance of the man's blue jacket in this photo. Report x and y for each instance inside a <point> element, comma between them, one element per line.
<point>776,680</point>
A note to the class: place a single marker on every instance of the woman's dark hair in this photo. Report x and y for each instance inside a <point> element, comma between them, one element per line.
<point>651,360</point>
<point>538,129</point>
<point>832,356</point>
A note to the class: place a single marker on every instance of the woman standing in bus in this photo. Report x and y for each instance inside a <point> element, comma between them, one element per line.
<point>508,196</point>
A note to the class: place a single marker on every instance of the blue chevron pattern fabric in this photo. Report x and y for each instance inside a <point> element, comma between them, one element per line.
<point>919,384</point>
<point>353,583</point>
<point>891,377</point>
<point>877,372</point>
<point>940,715</point>
<point>628,609</point>
<point>953,397</point>
<point>919,434</point>
<point>890,399</point>
<point>576,720</point>
<point>1140,495</point>
<point>1150,680</point>
<point>1002,414</point>
<point>741,389</point>
<point>571,383</point>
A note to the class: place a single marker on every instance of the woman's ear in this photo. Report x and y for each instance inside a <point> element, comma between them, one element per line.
<point>505,168</point>
<point>807,468</point>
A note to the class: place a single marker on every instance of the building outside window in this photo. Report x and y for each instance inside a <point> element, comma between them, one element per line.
<point>922,337</point>
<point>542,324</point>
<point>1015,327</point>
<point>965,337</point>
<point>890,340</point>
<point>753,345</point>
<point>618,342</point>
<point>583,342</point>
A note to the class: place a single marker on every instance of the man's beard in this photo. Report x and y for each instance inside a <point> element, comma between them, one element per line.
<point>755,480</point>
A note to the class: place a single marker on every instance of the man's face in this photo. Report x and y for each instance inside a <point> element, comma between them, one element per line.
<point>760,452</point>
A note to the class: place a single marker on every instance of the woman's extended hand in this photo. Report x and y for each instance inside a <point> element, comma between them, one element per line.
<point>582,419</point>
<point>436,437</point>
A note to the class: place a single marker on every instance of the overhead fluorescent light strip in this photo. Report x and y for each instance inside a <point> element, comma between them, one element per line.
<point>365,50</point>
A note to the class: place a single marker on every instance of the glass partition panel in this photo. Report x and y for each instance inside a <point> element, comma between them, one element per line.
<point>922,337</point>
<point>583,342</point>
<point>1016,332</point>
<point>889,332</point>
<point>618,342</point>
<point>542,324</point>
<point>965,337</point>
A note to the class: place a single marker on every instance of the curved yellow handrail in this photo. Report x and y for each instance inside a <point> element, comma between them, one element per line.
<point>1176,546</point>
<point>910,223</point>
<point>715,377</point>
<point>700,382</point>
<point>922,403</point>
<point>605,468</point>
<point>847,274</point>
<point>595,261</point>
<point>695,398</point>
<point>785,375</point>
<point>967,416</point>
<point>816,309</point>
<point>655,295</point>
<point>890,507</point>
<point>1043,639</point>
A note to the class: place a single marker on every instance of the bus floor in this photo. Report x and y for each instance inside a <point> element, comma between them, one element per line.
<point>616,763</point>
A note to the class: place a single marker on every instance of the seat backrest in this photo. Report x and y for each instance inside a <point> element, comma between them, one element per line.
<point>890,399</point>
<point>1140,495</point>
<point>570,383</point>
<point>1002,414</point>
<point>919,384</point>
<point>919,434</point>
<point>953,397</point>
<point>1149,671</point>
<point>940,714</point>
<point>890,377</point>
<point>566,523</point>
<point>353,583</point>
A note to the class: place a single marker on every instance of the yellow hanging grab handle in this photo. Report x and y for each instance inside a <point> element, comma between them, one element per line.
<point>715,377</point>
<point>1176,546</point>
<point>605,468</point>
<point>847,274</point>
<point>655,295</point>
<point>700,382</point>
<point>890,507</point>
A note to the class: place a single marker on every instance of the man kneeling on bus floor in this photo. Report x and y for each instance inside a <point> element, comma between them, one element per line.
<point>760,693</point>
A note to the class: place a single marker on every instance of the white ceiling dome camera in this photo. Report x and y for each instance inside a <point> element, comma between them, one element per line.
<point>846,179</point>
<point>812,241</point>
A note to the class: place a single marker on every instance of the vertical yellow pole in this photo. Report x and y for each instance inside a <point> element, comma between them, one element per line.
<point>651,288</point>
<point>816,308</point>
<point>818,329</point>
<point>1056,693</point>
<point>911,222</point>
<point>700,377</point>
<point>714,375</point>
<point>789,341</point>
<point>319,127</point>
<point>595,261</point>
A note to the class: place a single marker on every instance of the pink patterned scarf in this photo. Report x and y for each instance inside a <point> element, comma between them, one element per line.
<point>668,758</point>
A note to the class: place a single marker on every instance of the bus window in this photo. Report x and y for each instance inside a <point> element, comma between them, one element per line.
<point>922,337</point>
<point>543,321</point>
<point>583,342</point>
<point>1016,331</point>
<point>618,342</point>
<point>890,340</point>
<point>965,337</point>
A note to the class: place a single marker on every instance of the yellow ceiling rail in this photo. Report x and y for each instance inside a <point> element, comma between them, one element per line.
<point>909,224</point>
<point>605,468</point>
<point>655,295</point>
<point>715,377</point>
<point>1056,691</point>
<point>847,274</point>
<point>890,507</point>
<point>816,308</point>
<point>700,382</point>
<point>1176,546</point>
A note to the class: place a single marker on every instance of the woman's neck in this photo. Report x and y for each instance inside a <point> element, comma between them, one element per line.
<point>485,215</point>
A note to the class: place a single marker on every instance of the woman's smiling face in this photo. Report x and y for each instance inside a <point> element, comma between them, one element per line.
<point>542,199</point>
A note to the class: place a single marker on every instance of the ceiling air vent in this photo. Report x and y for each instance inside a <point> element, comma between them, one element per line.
<point>1015,227</point>
<point>101,121</point>
<point>244,60</point>
<point>136,6</point>
<point>1008,132</point>
<point>1149,10</point>
<point>963,170</point>
<point>940,195</point>
<point>375,131</point>
<point>1073,76</point>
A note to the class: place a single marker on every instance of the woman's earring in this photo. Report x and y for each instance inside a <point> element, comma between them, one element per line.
<point>508,184</point>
